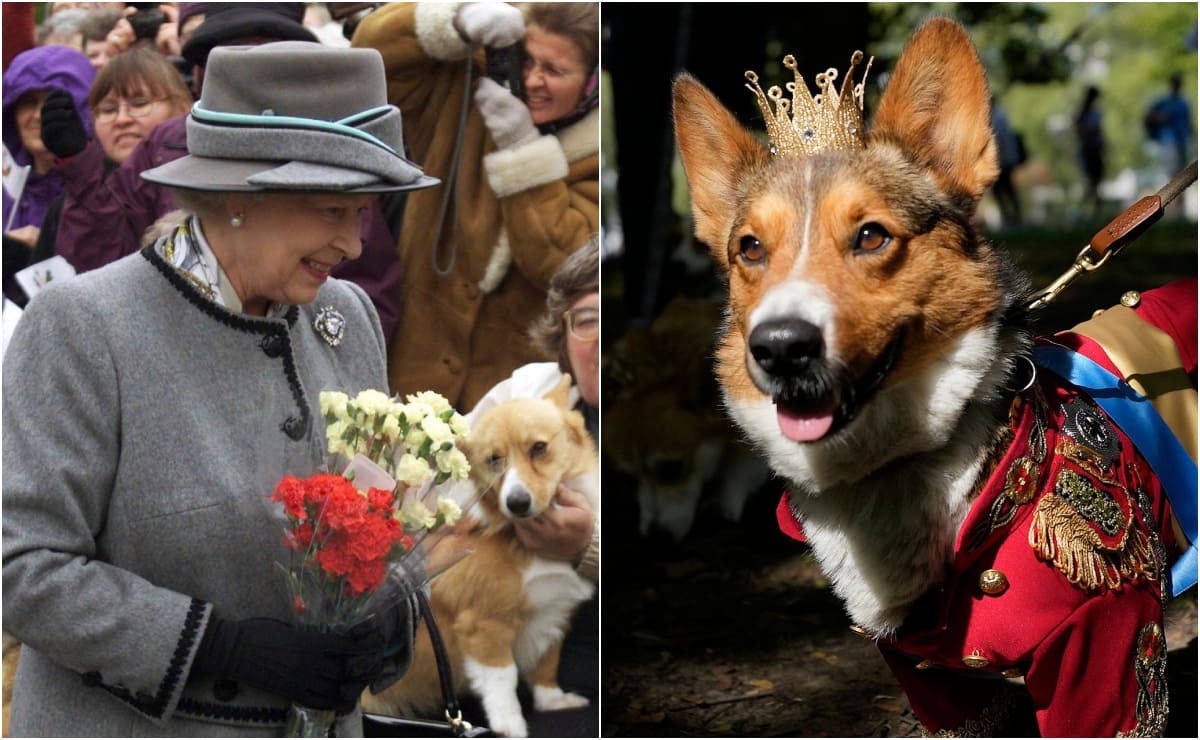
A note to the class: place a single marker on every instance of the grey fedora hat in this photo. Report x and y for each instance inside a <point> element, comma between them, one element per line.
<point>293,115</point>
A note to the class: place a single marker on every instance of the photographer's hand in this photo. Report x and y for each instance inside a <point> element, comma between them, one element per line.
<point>121,37</point>
<point>504,114</point>
<point>562,532</point>
<point>494,25</point>
<point>167,38</point>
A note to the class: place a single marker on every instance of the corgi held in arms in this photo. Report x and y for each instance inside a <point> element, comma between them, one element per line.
<point>503,611</point>
<point>981,517</point>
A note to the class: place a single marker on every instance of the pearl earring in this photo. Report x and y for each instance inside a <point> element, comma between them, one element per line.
<point>235,222</point>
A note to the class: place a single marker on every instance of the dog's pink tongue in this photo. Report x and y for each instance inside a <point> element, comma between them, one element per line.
<point>804,427</point>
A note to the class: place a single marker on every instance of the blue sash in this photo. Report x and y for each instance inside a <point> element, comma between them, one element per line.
<point>1135,415</point>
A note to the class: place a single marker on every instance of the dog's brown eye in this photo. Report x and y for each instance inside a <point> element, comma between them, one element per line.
<point>494,461</point>
<point>537,450</point>
<point>751,250</point>
<point>871,238</point>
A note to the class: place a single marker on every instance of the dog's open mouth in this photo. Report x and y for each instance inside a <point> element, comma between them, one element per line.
<point>808,417</point>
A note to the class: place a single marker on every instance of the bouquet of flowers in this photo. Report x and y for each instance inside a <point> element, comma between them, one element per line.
<point>353,534</point>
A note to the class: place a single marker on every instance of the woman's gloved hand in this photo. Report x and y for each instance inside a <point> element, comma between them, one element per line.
<point>494,25</point>
<point>62,128</point>
<point>321,670</point>
<point>504,114</point>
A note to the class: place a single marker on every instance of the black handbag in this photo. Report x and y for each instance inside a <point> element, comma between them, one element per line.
<point>383,725</point>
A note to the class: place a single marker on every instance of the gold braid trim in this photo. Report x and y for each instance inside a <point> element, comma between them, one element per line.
<point>1061,536</point>
<point>990,722</point>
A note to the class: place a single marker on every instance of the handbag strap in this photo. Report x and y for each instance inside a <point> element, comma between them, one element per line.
<point>458,725</point>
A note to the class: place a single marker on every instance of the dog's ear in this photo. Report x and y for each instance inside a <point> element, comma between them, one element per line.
<point>716,151</point>
<point>560,395</point>
<point>936,106</point>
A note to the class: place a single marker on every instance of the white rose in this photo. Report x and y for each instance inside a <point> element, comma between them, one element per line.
<point>333,402</point>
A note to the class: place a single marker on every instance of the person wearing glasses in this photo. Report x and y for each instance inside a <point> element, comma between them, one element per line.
<point>569,331</point>
<point>132,94</point>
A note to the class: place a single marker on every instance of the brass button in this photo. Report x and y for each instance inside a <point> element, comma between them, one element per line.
<point>975,660</point>
<point>1131,298</point>
<point>924,665</point>
<point>992,582</point>
<point>1012,672</point>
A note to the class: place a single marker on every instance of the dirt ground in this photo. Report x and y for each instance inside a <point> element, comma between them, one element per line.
<point>733,633</point>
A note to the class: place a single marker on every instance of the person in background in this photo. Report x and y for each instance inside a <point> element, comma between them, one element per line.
<point>1090,134</point>
<point>112,218</point>
<point>150,406</point>
<point>95,30</point>
<point>132,95</point>
<point>1010,154</point>
<point>191,15</point>
<point>1169,123</point>
<point>63,28</point>
<point>569,331</point>
<point>521,178</point>
<point>27,82</point>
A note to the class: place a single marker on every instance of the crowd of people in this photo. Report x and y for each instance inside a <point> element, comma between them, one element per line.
<point>204,169</point>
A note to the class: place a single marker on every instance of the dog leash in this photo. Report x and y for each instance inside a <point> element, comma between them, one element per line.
<point>1118,234</point>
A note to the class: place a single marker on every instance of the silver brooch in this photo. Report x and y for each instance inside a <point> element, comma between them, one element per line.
<point>1092,429</point>
<point>330,324</point>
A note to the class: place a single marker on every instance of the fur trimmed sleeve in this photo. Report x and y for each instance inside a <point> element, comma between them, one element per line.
<point>540,162</point>
<point>436,32</point>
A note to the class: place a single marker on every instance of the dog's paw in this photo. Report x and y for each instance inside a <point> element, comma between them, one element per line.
<point>553,699</point>
<point>508,724</point>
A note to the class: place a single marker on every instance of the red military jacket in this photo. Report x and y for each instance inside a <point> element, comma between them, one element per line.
<point>1059,577</point>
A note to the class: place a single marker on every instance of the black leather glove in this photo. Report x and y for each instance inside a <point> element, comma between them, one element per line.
<point>395,621</point>
<point>62,128</point>
<point>321,670</point>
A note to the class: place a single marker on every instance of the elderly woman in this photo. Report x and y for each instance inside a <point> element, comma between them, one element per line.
<point>568,330</point>
<point>151,406</point>
<point>522,179</point>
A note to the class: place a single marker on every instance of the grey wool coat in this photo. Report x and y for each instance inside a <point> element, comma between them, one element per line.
<point>144,430</point>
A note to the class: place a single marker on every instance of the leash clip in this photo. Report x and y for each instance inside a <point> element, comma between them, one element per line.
<point>1117,234</point>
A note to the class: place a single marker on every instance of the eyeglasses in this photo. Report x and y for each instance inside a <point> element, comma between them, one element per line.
<point>137,108</point>
<point>583,323</point>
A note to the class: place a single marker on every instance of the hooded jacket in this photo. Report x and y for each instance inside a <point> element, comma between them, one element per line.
<point>512,217</point>
<point>41,68</point>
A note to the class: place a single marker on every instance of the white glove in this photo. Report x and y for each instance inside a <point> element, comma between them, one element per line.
<point>505,115</point>
<point>494,25</point>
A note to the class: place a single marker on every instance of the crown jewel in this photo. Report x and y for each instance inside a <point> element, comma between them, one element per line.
<point>825,122</point>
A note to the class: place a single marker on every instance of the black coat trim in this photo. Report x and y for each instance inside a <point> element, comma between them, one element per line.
<point>226,713</point>
<point>295,427</point>
<point>155,706</point>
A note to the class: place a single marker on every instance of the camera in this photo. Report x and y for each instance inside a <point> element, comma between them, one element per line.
<point>146,21</point>
<point>506,66</point>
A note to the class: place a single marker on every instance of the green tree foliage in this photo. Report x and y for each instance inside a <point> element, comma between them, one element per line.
<point>1041,57</point>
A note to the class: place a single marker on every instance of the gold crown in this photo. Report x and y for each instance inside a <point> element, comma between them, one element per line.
<point>829,121</point>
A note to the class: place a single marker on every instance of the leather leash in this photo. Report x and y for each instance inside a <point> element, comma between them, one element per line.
<point>1119,233</point>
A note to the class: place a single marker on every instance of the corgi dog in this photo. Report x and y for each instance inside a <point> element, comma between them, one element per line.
<point>662,372</point>
<point>875,349</point>
<point>503,611</point>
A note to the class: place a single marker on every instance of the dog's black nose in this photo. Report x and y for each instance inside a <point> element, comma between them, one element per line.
<point>518,503</point>
<point>784,347</point>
